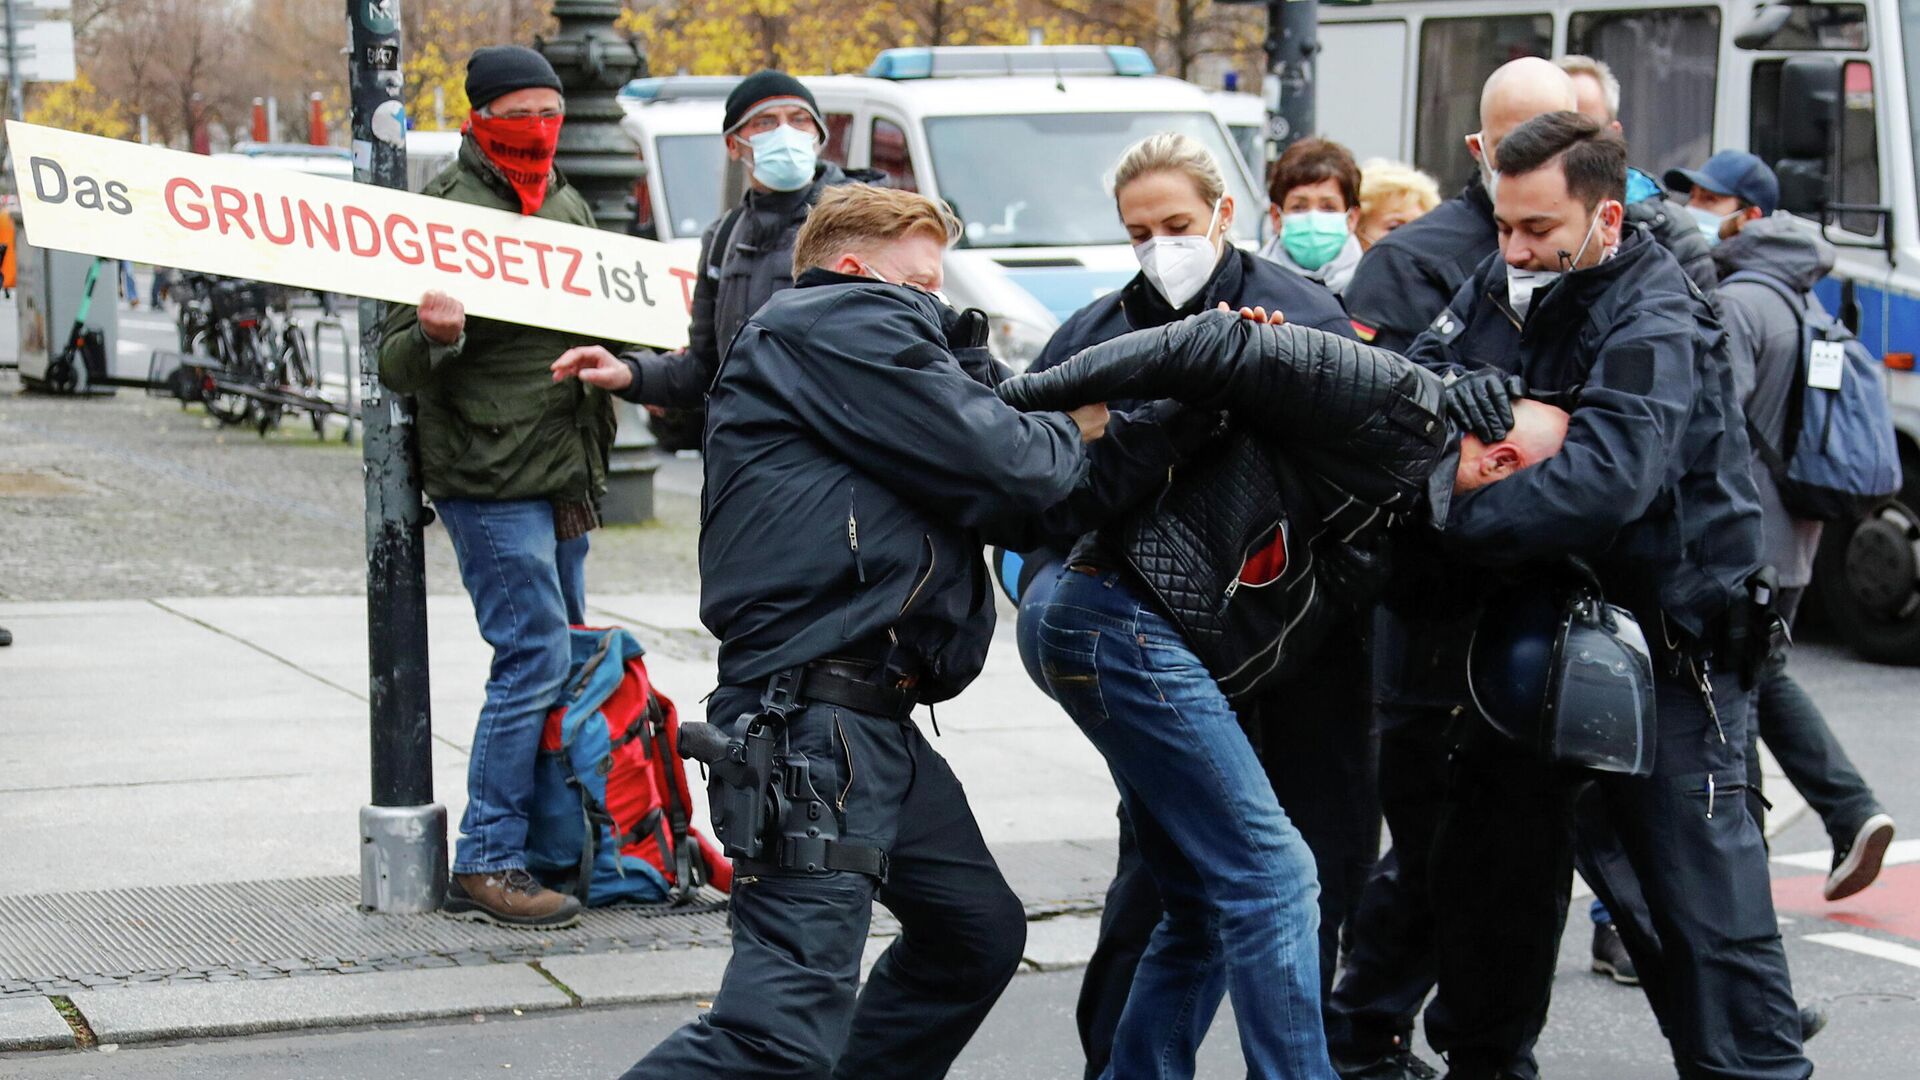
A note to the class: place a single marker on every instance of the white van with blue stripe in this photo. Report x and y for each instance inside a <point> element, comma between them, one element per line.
<point>1821,91</point>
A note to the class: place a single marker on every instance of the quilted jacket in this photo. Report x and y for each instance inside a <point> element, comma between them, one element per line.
<point>1263,539</point>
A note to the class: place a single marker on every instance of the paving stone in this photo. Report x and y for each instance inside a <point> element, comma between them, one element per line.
<point>1065,942</point>
<point>32,1023</point>
<point>174,1012</point>
<point>621,978</point>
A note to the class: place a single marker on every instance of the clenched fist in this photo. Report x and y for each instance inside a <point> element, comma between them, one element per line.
<point>594,366</point>
<point>442,318</point>
<point>1091,420</point>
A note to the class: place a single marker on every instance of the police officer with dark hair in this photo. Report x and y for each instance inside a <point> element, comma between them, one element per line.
<point>1652,490</point>
<point>856,458</point>
<point>1418,657</point>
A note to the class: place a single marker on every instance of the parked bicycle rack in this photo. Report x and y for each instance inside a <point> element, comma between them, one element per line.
<point>190,378</point>
<point>351,410</point>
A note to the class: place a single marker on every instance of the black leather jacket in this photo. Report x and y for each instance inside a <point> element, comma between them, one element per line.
<point>1258,542</point>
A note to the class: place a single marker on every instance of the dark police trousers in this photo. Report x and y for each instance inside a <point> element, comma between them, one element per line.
<point>1504,852</point>
<point>787,1006</point>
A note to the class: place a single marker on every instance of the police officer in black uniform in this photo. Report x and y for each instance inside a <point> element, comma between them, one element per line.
<point>856,457</point>
<point>1418,633</point>
<point>1652,488</point>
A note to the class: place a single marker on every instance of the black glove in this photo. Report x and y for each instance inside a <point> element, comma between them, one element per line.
<point>1482,402</point>
<point>967,329</point>
<point>1188,429</point>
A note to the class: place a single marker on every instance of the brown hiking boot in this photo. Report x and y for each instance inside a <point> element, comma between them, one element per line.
<point>509,898</point>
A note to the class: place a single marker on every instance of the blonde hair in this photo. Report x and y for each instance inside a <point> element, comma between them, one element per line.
<point>1169,151</point>
<point>1598,71</point>
<point>1383,181</point>
<point>850,216</point>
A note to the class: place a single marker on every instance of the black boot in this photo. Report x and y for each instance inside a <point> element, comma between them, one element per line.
<point>1610,955</point>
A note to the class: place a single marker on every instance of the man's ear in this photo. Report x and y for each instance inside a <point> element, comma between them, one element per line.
<point>1475,148</point>
<point>1273,217</point>
<point>849,264</point>
<point>1501,460</point>
<point>736,147</point>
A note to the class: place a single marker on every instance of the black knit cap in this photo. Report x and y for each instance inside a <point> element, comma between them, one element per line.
<point>762,86</point>
<point>502,69</point>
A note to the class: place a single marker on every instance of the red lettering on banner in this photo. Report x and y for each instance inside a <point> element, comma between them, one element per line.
<point>475,242</point>
<point>540,259</point>
<point>353,215</point>
<point>412,245</point>
<point>286,215</point>
<point>435,245</point>
<point>687,278</point>
<point>500,249</point>
<point>173,188</point>
<point>573,265</point>
<point>311,222</point>
<point>230,205</point>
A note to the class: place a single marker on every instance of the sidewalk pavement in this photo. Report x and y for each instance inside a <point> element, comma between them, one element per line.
<point>180,781</point>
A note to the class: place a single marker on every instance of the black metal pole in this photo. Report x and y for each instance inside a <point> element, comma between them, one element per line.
<point>1293,40</point>
<point>403,835</point>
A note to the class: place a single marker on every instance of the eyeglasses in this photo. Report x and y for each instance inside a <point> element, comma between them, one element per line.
<point>767,121</point>
<point>525,114</point>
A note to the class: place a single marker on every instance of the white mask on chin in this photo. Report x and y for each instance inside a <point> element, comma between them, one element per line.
<point>1179,266</point>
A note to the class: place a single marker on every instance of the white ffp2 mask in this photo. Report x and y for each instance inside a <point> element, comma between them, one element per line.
<point>1179,266</point>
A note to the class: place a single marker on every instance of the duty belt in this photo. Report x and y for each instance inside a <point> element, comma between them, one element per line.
<point>861,685</point>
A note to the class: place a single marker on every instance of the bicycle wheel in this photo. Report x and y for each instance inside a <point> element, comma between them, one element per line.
<point>216,340</point>
<point>296,362</point>
<point>263,371</point>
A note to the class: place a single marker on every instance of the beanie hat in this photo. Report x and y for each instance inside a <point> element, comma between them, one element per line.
<point>764,90</point>
<point>502,69</point>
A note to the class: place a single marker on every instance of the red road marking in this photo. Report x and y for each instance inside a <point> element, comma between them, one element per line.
<point>1890,905</point>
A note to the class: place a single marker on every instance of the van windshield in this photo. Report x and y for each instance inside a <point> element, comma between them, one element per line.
<point>1040,180</point>
<point>692,170</point>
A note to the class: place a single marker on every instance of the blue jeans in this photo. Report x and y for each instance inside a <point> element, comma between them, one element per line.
<point>527,588</point>
<point>1237,880</point>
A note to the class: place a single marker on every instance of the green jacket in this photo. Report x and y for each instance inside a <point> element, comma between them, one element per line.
<point>493,423</point>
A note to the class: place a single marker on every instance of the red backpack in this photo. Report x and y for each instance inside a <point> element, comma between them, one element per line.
<point>611,807</point>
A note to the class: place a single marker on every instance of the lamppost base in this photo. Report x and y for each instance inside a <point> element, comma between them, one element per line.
<point>403,858</point>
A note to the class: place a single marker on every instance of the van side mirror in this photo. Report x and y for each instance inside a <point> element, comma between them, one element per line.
<point>1810,102</point>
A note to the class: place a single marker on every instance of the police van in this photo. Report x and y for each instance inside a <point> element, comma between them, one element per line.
<point>1820,91</point>
<point>1018,140</point>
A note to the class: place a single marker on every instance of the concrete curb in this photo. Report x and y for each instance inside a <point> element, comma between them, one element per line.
<point>33,1024</point>
<point>148,1014</point>
<point>134,1014</point>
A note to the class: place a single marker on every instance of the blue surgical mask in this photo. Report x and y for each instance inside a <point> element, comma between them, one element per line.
<point>1709,223</point>
<point>784,158</point>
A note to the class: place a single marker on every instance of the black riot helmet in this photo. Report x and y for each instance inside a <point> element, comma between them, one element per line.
<point>1554,666</point>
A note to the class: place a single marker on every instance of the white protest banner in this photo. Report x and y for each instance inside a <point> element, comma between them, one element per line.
<point>239,219</point>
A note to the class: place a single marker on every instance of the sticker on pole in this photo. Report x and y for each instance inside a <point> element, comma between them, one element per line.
<point>242,219</point>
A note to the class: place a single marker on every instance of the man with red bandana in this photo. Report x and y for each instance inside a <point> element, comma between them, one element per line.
<point>515,464</point>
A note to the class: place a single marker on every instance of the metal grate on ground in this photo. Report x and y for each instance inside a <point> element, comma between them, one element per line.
<point>57,943</point>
